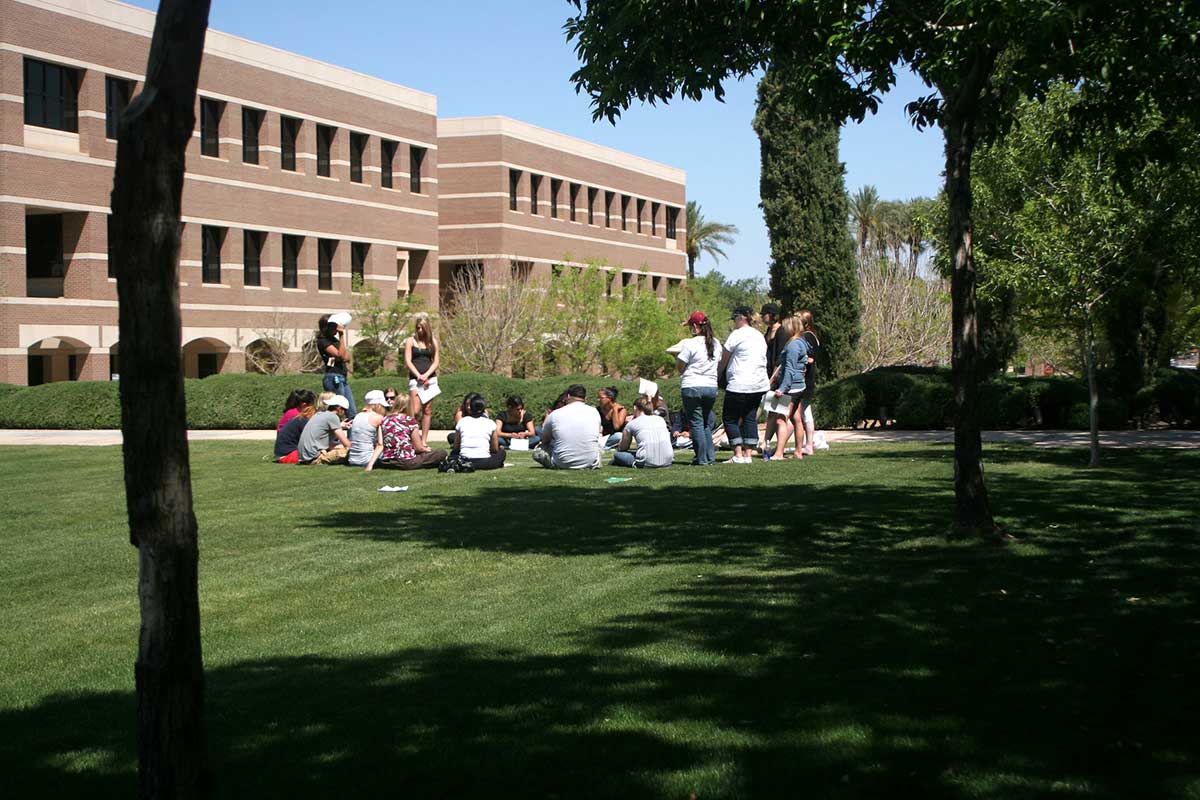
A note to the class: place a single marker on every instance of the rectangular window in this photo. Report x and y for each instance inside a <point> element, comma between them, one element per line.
<point>608,208</point>
<point>325,135</point>
<point>387,160</point>
<point>654,219</point>
<point>535,186</point>
<point>44,246</point>
<point>51,96</point>
<point>359,251</point>
<point>416,158</point>
<point>325,251</point>
<point>624,212</point>
<point>641,212</point>
<point>672,221</point>
<point>210,127</point>
<point>117,93</point>
<point>72,367</point>
<point>555,189</point>
<point>252,120</point>
<point>514,186</point>
<point>211,239</point>
<point>358,146</point>
<point>592,192</point>
<point>574,199</point>
<point>112,265</point>
<point>289,134</point>
<point>291,260</point>
<point>252,246</point>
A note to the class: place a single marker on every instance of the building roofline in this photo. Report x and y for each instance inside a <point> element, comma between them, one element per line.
<point>140,21</point>
<point>506,126</point>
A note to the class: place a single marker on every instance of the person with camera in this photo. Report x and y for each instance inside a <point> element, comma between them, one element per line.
<point>331,344</point>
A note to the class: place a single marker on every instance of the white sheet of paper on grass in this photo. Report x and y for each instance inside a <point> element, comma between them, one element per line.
<point>518,444</point>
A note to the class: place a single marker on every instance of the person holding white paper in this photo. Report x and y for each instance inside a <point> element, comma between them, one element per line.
<point>422,357</point>
<point>515,425</point>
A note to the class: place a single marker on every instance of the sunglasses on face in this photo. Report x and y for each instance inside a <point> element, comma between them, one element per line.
<point>389,397</point>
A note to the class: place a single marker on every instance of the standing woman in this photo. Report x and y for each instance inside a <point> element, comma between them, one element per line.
<point>746,382</point>
<point>793,367</point>
<point>698,360</point>
<point>777,339</point>
<point>810,378</point>
<point>331,344</point>
<point>421,356</point>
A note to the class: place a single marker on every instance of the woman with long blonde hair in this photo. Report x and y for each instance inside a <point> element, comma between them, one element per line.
<point>422,356</point>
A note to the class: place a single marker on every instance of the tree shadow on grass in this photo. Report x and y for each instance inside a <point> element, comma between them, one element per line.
<point>846,653</point>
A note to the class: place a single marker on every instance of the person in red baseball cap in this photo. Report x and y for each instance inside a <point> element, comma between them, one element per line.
<point>698,359</point>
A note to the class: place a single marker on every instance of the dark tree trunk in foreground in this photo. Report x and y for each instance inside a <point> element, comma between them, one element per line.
<point>155,130</point>
<point>972,510</point>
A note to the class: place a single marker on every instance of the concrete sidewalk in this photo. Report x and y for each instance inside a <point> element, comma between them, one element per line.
<point>1171,439</point>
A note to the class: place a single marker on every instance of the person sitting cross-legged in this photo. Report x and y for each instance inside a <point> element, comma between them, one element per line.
<point>400,445</point>
<point>478,439</point>
<point>323,440</point>
<point>652,436</point>
<point>571,434</point>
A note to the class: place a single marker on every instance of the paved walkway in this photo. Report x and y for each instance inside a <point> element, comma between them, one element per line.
<point>1173,439</point>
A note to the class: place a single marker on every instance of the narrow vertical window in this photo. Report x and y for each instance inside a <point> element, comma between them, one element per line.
<point>672,221</point>
<point>210,127</point>
<point>654,219</point>
<point>252,120</point>
<point>325,136</point>
<point>591,195</point>
<point>608,208</point>
<point>358,146</point>
<point>514,186</point>
<point>289,133</point>
<point>574,199</point>
<point>252,245</point>
<point>624,212</point>
<point>325,251</point>
<point>51,96</point>
<point>117,93</point>
<point>211,239</point>
<point>555,189</point>
<point>112,266</point>
<point>535,187</point>
<point>387,160</point>
<point>641,213</point>
<point>416,159</point>
<point>359,251</point>
<point>291,260</point>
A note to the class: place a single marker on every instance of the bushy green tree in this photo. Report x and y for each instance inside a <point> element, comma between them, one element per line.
<point>803,198</point>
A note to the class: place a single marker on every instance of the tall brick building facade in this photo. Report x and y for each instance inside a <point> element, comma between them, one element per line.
<point>301,179</point>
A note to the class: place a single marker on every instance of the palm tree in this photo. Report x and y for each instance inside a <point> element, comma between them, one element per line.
<point>705,236</point>
<point>864,216</point>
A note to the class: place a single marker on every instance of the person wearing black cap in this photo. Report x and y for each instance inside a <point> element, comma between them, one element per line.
<point>745,364</point>
<point>777,339</point>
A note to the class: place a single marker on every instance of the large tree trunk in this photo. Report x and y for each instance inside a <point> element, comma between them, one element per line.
<point>691,266</point>
<point>972,511</point>
<point>147,189</point>
<point>1093,392</point>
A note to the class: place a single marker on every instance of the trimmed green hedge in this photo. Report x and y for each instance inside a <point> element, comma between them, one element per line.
<point>915,398</point>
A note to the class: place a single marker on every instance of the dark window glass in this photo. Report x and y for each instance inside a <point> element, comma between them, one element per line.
<point>37,370</point>
<point>112,266</point>
<point>325,136</point>
<point>574,199</point>
<point>325,250</point>
<point>51,96</point>
<point>117,93</point>
<point>72,367</point>
<point>514,186</point>
<point>624,212</point>
<point>608,203</point>
<point>641,212</point>
<point>291,260</point>
<point>555,189</point>
<point>289,132</point>
<point>672,221</point>
<point>387,160</point>
<point>358,264</point>
<point>654,219</point>
<point>252,120</point>
<point>44,246</point>
<point>206,364</point>
<point>252,245</point>
<point>535,187</point>
<point>211,239</point>
<point>592,205</point>
<point>416,158</point>
<point>210,126</point>
<point>358,146</point>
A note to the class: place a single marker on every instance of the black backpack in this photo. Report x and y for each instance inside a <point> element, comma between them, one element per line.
<point>456,463</point>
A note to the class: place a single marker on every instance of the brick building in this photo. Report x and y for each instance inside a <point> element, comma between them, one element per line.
<point>302,178</point>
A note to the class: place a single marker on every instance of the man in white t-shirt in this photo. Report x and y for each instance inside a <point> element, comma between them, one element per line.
<point>653,440</point>
<point>745,364</point>
<point>571,435</point>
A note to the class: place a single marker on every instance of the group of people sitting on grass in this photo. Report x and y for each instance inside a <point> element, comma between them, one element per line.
<point>771,370</point>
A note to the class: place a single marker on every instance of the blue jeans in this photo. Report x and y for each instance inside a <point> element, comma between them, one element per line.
<point>623,458</point>
<point>336,382</point>
<point>698,404</point>
<point>740,414</point>
<point>612,441</point>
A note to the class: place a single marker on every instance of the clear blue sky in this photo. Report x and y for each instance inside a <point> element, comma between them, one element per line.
<point>511,58</point>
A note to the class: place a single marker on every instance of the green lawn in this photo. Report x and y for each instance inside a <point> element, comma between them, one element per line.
<point>773,630</point>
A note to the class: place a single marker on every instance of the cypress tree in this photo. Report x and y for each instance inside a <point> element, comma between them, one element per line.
<point>803,193</point>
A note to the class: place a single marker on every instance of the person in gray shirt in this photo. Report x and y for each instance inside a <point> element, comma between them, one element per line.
<point>323,440</point>
<point>653,439</point>
<point>571,435</point>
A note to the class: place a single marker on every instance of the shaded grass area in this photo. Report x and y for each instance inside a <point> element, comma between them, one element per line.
<point>761,631</point>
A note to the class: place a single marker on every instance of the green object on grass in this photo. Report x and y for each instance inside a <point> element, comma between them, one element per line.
<point>617,480</point>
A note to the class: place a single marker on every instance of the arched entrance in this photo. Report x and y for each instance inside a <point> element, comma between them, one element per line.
<point>204,357</point>
<point>56,358</point>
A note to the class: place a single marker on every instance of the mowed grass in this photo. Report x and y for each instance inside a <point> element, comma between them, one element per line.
<point>773,630</point>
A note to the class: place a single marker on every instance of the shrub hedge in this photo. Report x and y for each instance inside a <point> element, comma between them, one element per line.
<point>911,397</point>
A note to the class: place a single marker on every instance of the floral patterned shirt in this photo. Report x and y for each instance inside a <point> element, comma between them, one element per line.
<point>397,437</point>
